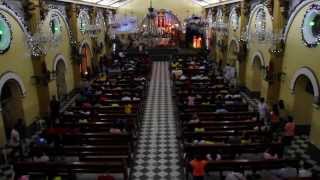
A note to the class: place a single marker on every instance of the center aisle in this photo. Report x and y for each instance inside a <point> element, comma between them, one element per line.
<point>158,149</point>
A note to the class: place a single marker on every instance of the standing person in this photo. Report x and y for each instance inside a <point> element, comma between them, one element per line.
<point>289,131</point>
<point>283,113</point>
<point>275,117</point>
<point>198,168</point>
<point>21,128</point>
<point>15,141</point>
<point>263,110</point>
<point>54,110</point>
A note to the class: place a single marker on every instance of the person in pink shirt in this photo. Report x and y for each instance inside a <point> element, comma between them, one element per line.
<point>289,131</point>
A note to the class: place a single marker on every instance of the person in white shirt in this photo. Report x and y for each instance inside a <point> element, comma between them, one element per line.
<point>14,138</point>
<point>263,110</point>
<point>126,98</point>
<point>183,77</point>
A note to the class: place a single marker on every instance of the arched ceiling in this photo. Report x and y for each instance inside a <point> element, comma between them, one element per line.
<point>119,3</point>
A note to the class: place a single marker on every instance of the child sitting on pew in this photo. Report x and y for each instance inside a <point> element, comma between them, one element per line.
<point>198,165</point>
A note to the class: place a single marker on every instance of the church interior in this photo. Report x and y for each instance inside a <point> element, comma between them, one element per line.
<point>159,89</point>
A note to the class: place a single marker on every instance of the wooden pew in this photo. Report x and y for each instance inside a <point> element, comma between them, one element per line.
<point>70,169</point>
<point>212,107</point>
<point>229,149</point>
<point>246,165</point>
<point>228,116</point>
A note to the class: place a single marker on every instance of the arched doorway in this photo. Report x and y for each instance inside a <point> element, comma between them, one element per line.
<point>303,93</point>
<point>11,103</point>
<point>85,66</point>
<point>256,74</point>
<point>61,79</point>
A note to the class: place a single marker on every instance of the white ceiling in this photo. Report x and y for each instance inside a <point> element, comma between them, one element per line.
<point>208,2</point>
<point>119,3</point>
<point>110,3</point>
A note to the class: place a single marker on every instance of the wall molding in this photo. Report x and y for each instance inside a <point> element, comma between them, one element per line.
<point>294,14</point>
<point>252,15</point>
<point>58,13</point>
<point>16,18</point>
<point>309,73</point>
<point>82,44</point>
<point>260,56</point>
<point>12,76</point>
<point>58,58</point>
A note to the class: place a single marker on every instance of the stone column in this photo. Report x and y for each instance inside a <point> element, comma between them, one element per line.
<point>72,12</point>
<point>41,74</point>
<point>276,52</point>
<point>242,56</point>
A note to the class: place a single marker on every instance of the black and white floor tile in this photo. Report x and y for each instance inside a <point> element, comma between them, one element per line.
<point>302,149</point>
<point>158,155</point>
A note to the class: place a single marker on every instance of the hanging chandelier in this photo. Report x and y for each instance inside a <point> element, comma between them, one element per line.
<point>149,28</point>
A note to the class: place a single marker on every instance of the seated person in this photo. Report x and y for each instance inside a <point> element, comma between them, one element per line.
<point>86,105</point>
<point>220,109</point>
<point>183,77</point>
<point>245,139</point>
<point>269,154</point>
<point>118,127</point>
<point>228,96</point>
<point>97,93</point>
<point>128,108</point>
<point>40,157</point>
<point>191,99</point>
<point>217,157</point>
<point>199,129</point>
<point>84,112</point>
<point>234,139</point>
<point>68,112</point>
<point>126,98</point>
<point>198,165</point>
<point>103,98</point>
<point>136,97</point>
<point>194,119</point>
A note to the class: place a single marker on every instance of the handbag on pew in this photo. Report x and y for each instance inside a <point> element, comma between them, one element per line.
<point>105,177</point>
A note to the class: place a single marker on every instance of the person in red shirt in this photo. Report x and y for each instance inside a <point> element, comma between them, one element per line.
<point>289,131</point>
<point>198,168</point>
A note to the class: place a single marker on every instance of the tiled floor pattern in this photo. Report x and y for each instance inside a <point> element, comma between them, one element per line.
<point>301,149</point>
<point>158,155</point>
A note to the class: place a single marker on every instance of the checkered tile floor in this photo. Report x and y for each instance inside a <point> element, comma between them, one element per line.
<point>158,155</point>
<point>300,149</point>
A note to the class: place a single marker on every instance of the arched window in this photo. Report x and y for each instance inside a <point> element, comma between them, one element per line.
<point>261,25</point>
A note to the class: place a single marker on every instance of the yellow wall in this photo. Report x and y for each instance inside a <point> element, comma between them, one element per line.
<point>17,60</point>
<point>63,49</point>
<point>296,56</point>
<point>253,48</point>
<point>182,8</point>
